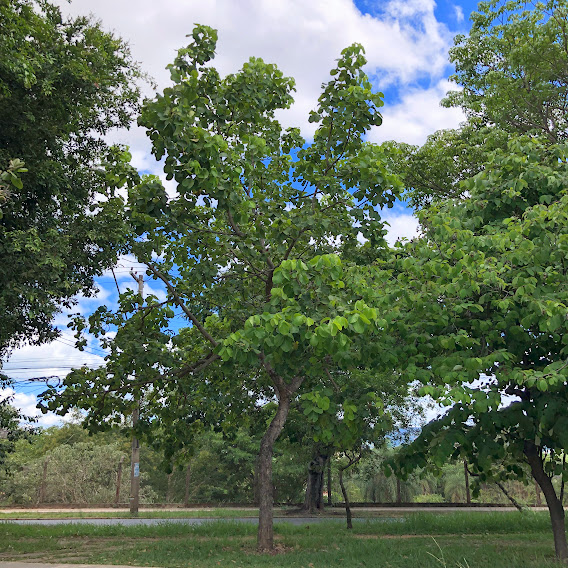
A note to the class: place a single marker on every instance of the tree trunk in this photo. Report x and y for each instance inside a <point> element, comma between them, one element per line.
<point>509,496</point>
<point>187,482</point>
<point>467,492</point>
<point>398,491</point>
<point>265,489</point>
<point>169,488</point>
<point>555,508</point>
<point>346,499</point>
<point>314,490</point>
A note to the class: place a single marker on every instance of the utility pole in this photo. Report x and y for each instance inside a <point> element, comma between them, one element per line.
<point>135,460</point>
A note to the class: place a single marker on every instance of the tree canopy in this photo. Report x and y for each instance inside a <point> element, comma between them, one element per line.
<point>246,248</point>
<point>489,274</point>
<point>64,84</point>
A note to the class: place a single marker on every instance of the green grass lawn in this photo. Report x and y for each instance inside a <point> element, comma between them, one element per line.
<point>488,540</point>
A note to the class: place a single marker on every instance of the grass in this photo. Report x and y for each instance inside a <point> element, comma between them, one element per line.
<point>496,540</point>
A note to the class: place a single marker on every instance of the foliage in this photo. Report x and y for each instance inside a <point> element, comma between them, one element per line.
<point>489,276</point>
<point>10,431</point>
<point>491,285</point>
<point>9,178</point>
<point>245,247</point>
<point>81,473</point>
<point>516,51</point>
<point>436,170</point>
<point>64,84</point>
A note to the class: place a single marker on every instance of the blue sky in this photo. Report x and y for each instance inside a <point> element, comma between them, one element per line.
<point>406,44</point>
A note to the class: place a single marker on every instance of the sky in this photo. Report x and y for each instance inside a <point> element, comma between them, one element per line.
<point>406,43</point>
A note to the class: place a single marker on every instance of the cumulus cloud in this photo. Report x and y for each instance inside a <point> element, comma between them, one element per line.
<point>26,403</point>
<point>417,115</point>
<point>401,226</point>
<point>458,10</point>
<point>404,43</point>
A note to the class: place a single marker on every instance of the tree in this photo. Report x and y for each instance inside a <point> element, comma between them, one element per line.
<point>490,283</point>
<point>515,51</point>
<point>347,414</point>
<point>64,84</point>
<point>493,325</point>
<point>10,431</point>
<point>245,251</point>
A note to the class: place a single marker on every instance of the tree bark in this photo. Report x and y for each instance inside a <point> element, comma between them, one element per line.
<point>265,540</point>
<point>314,490</point>
<point>345,499</point>
<point>555,508</point>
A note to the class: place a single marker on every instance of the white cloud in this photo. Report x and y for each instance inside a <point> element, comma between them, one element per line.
<point>417,115</point>
<point>27,405</point>
<point>404,43</point>
<point>459,14</point>
<point>52,359</point>
<point>401,226</point>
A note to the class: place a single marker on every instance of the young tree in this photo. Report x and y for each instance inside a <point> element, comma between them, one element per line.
<point>348,413</point>
<point>244,248</point>
<point>64,84</point>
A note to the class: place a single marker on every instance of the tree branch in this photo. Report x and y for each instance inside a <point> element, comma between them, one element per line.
<point>181,304</point>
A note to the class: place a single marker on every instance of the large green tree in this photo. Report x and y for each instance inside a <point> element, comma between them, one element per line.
<point>64,84</point>
<point>487,282</point>
<point>512,67</point>
<point>489,287</point>
<point>244,248</point>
